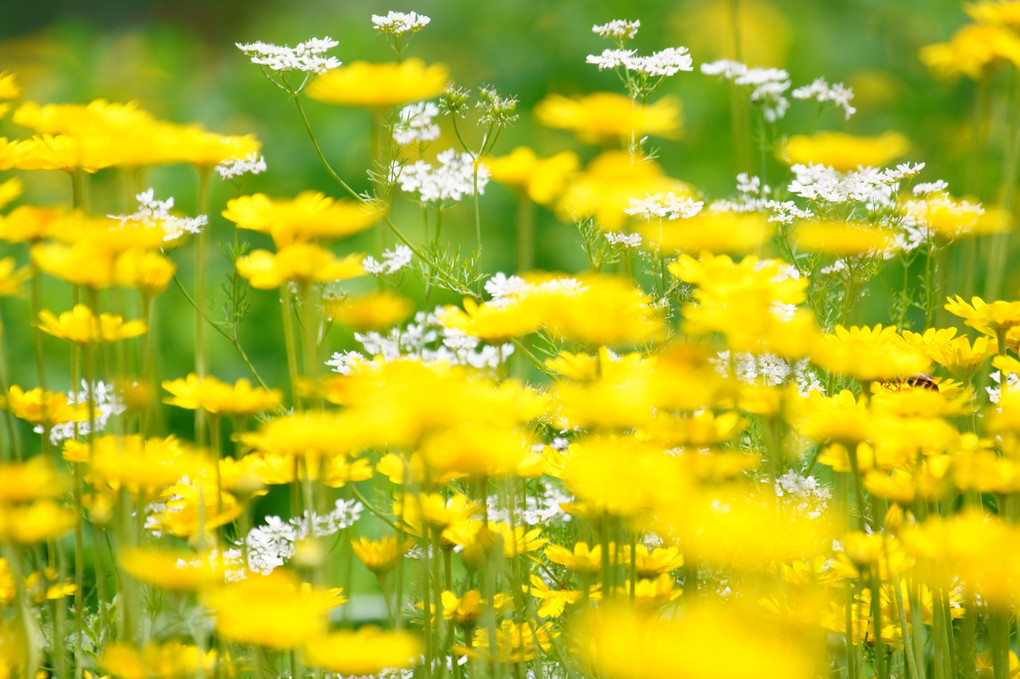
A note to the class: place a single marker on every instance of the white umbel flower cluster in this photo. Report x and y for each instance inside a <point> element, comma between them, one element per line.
<point>399,23</point>
<point>308,56</point>
<point>415,124</point>
<point>769,85</point>
<point>627,240</point>
<point>821,91</point>
<point>452,179</point>
<point>253,163</point>
<point>273,544</point>
<point>664,206</point>
<point>665,62</point>
<point>157,212</point>
<point>392,261</point>
<point>618,29</point>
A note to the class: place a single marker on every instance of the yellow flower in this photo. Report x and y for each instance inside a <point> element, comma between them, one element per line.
<point>607,185</point>
<point>37,522</point>
<point>515,643</point>
<point>9,190</point>
<point>176,570</point>
<point>553,602</point>
<point>145,270</point>
<point>973,51</point>
<point>494,323</point>
<point>652,564</point>
<point>380,556</point>
<point>42,407</point>
<point>380,85</point>
<point>373,311</point>
<point>197,146</point>
<point>518,540</point>
<point>84,263</point>
<point>166,660</point>
<point>309,216</point>
<point>992,319</point>
<point>709,231</point>
<point>952,219</point>
<point>541,179</point>
<point>8,86</point>
<point>26,481</point>
<point>365,651</point>
<point>869,354</point>
<point>1004,12</point>
<point>299,262</point>
<point>80,326</point>
<point>961,358</point>
<point>140,464</point>
<point>309,434</point>
<point>581,559</point>
<point>190,507</point>
<point>842,239</point>
<point>274,611</point>
<point>30,223</point>
<point>213,396</point>
<point>606,116</point>
<point>843,152</point>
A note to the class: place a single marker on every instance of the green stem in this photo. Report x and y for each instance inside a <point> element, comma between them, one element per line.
<point>202,244</point>
<point>288,339</point>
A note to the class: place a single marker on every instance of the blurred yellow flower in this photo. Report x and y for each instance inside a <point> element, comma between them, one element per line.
<point>606,116</point>
<point>9,190</point>
<point>41,407</point>
<point>165,660</point>
<point>30,480</point>
<point>37,522</point>
<point>298,262</point>
<point>974,51</point>
<point>308,216</point>
<point>365,651</point>
<point>81,326</point>
<point>710,231</point>
<point>1004,12</point>
<point>373,311</point>
<point>380,85</point>
<point>842,239</point>
<point>213,396</point>
<point>541,179</point>
<point>172,569</point>
<point>869,354</point>
<point>952,219</point>
<point>843,152</point>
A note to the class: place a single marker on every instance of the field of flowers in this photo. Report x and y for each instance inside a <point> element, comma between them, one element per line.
<point>460,407</point>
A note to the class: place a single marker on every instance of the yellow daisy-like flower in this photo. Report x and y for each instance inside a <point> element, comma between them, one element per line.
<point>953,219</point>
<point>37,522</point>
<point>492,322</point>
<point>869,354</point>
<point>365,651</point>
<point>190,507</point>
<point>380,556</point>
<point>141,465</point>
<point>553,601</point>
<point>81,326</point>
<point>299,262</point>
<point>714,232</point>
<point>380,85</point>
<point>994,12</point>
<point>9,190</point>
<point>991,319</point>
<point>974,50</point>
<point>28,223</point>
<point>26,481</point>
<point>541,179</point>
<point>581,559</point>
<point>606,116</point>
<point>841,239</point>
<point>309,216</point>
<point>843,152</point>
<point>62,152</point>
<point>273,611</point>
<point>166,660</point>
<point>45,408</point>
<point>171,569</point>
<point>374,311</point>
<point>8,86</point>
<point>213,396</point>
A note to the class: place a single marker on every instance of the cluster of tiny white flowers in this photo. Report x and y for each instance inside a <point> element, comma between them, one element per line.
<point>272,544</point>
<point>995,392</point>
<point>452,179</point>
<point>619,29</point>
<point>769,84</point>
<point>398,23</point>
<point>667,62</point>
<point>805,493</point>
<point>503,288</point>
<point>538,508</point>
<point>664,206</point>
<point>876,188</point>
<point>106,403</point>
<point>415,124</point>
<point>924,188</point>
<point>253,163</point>
<point>821,91</point>
<point>424,339</point>
<point>754,197</point>
<point>306,56</point>
<point>627,240</point>
<point>392,261</point>
<point>157,213</point>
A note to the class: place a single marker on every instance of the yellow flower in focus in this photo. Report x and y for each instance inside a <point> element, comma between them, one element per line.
<point>552,601</point>
<point>518,540</point>
<point>431,510</point>
<point>213,396</point>
<point>842,239</point>
<point>715,232</point>
<point>494,323</point>
<point>166,660</point>
<point>380,85</point>
<point>541,179</point>
<point>273,611</point>
<point>606,116</point>
<point>963,359</point>
<point>606,186</point>
<point>973,51</point>
<point>300,262</point>
<point>992,319</point>
<point>373,311</point>
<point>380,556</point>
<point>365,651</point>
<point>41,407</point>
<point>869,354</point>
<point>843,152</point>
<point>80,326</point>
<point>515,643</point>
<point>308,216</point>
<point>581,559</point>
<point>652,564</point>
<point>175,570</point>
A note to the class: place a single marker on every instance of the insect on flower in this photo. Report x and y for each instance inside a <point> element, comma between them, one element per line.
<point>923,381</point>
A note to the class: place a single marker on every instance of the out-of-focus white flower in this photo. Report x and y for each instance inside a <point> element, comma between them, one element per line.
<point>768,84</point>
<point>157,213</point>
<point>306,56</point>
<point>253,163</point>
<point>392,261</point>
<point>821,91</point>
<point>618,29</point>
<point>664,206</point>
<point>627,240</point>
<point>399,23</point>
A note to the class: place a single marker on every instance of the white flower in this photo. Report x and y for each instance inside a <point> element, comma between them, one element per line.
<point>727,68</point>
<point>253,163</point>
<point>664,205</point>
<point>452,179</point>
<point>106,403</point>
<point>610,58</point>
<point>627,240</point>
<point>503,288</point>
<point>937,186</point>
<point>666,62</point>
<point>152,212</point>
<point>392,261</point>
<point>619,29</point>
<point>305,56</point>
<point>415,124</point>
<point>768,84</point>
<point>272,544</point>
<point>821,91</point>
<point>398,23</point>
